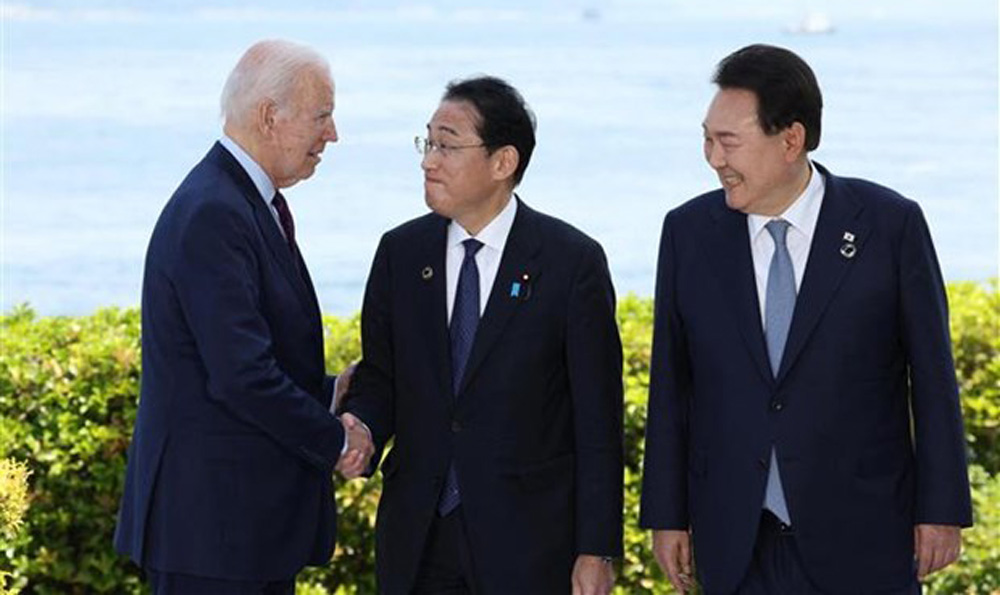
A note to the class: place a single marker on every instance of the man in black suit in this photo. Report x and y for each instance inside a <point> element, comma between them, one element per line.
<point>492,357</point>
<point>228,487</point>
<point>804,424</point>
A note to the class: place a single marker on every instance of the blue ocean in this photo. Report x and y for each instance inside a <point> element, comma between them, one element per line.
<point>107,104</point>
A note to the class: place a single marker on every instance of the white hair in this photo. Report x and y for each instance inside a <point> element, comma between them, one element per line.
<point>269,70</point>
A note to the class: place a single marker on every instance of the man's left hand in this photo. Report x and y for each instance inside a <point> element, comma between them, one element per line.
<point>592,575</point>
<point>936,546</point>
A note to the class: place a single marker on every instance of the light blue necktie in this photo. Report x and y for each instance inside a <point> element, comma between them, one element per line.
<point>778,308</point>
<point>464,320</point>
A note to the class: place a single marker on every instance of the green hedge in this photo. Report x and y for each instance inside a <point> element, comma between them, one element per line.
<point>68,390</point>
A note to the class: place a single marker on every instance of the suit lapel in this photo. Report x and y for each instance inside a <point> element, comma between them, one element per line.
<point>729,251</point>
<point>276,242</point>
<point>310,289</point>
<point>827,267</point>
<point>518,260</point>
<point>431,299</point>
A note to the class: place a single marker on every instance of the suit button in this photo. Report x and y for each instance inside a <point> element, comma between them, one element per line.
<point>456,426</point>
<point>762,463</point>
<point>777,405</point>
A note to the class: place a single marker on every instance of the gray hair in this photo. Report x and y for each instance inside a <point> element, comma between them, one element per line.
<point>269,70</point>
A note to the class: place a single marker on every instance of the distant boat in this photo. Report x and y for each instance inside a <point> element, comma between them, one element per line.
<point>813,22</point>
<point>591,14</point>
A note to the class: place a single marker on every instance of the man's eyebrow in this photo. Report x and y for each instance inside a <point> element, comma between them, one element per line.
<point>444,128</point>
<point>721,133</point>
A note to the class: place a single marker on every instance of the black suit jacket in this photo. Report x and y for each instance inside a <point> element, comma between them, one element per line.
<point>868,345</point>
<point>229,470</point>
<point>536,429</point>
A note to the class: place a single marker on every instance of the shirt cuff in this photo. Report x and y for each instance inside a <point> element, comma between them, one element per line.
<point>333,395</point>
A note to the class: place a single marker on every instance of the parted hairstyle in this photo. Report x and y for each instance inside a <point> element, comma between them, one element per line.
<point>785,86</point>
<point>504,117</point>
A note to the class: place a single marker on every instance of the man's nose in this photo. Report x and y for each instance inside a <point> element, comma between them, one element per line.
<point>714,156</point>
<point>330,134</point>
<point>429,160</point>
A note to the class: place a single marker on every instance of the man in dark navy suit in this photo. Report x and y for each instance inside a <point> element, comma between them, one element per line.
<point>491,355</point>
<point>228,488</point>
<point>804,427</point>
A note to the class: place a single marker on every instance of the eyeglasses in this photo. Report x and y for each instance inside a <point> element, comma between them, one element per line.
<point>426,146</point>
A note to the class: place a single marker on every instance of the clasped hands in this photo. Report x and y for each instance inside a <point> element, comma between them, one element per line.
<point>360,447</point>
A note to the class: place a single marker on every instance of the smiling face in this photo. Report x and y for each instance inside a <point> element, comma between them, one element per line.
<point>760,173</point>
<point>301,129</point>
<point>466,184</point>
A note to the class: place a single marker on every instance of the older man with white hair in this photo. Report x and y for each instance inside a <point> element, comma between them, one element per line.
<point>228,487</point>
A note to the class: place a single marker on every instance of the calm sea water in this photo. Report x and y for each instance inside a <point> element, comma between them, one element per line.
<point>106,105</point>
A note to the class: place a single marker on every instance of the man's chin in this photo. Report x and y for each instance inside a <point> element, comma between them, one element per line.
<point>436,204</point>
<point>734,201</point>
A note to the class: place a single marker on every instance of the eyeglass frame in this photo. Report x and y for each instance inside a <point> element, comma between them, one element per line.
<point>425,146</point>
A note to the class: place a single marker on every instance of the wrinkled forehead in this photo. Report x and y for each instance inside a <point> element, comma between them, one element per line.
<point>455,118</point>
<point>732,110</point>
<point>314,88</point>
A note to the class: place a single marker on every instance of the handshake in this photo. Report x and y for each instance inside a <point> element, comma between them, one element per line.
<point>360,446</point>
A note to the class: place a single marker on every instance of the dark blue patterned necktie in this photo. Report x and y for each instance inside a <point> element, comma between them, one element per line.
<point>464,320</point>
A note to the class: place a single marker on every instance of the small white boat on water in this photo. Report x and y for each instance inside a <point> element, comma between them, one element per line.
<point>811,23</point>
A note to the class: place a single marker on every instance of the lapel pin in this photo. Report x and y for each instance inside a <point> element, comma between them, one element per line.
<point>521,289</point>
<point>848,249</point>
<point>427,273</point>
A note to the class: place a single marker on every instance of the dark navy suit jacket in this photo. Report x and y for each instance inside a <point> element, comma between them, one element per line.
<point>535,430</point>
<point>229,470</point>
<point>864,411</point>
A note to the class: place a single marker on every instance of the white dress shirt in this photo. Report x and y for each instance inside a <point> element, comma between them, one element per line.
<point>802,214</point>
<point>257,175</point>
<point>494,238</point>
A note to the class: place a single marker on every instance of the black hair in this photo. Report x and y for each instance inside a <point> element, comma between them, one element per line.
<point>504,117</point>
<point>785,86</point>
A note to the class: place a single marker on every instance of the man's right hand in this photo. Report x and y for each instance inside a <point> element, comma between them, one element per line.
<point>673,553</point>
<point>360,447</point>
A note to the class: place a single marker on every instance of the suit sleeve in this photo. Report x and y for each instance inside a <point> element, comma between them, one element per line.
<point>217,284</point>
<point>371,395</point>
<point>664,503</point>
<point>942,477</point>
<point>594,361</point>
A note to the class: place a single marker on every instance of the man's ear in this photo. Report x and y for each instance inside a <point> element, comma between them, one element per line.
<point>265,117</point>
<point>793,141</point>
<point>505,161</point>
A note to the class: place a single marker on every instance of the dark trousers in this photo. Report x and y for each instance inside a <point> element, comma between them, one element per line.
<point>446,565</point>
<point>171,583</point>
<point>777,569</point>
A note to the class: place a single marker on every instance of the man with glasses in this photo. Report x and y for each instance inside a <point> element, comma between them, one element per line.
<point>492,358</point>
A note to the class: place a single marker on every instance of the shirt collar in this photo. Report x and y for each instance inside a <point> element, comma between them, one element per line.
<point>494,235</point>
<point>257,174</point>
<point>803,213</point>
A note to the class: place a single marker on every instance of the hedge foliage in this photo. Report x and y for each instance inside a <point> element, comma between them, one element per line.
<point>13,505</point>
<point>68,389</point>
